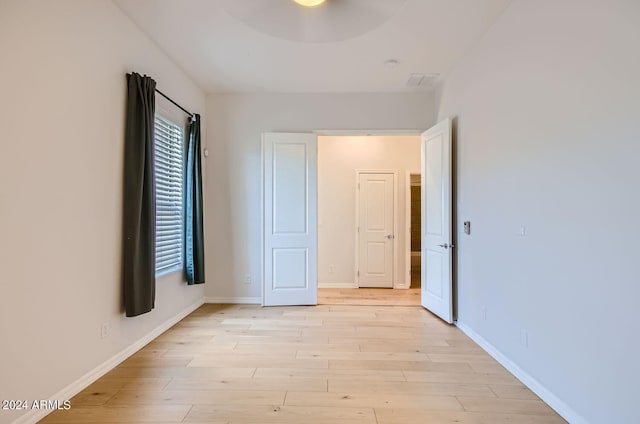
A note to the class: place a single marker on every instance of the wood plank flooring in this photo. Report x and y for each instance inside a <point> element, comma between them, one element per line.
<point>333,364</point>
<point>370,297</point>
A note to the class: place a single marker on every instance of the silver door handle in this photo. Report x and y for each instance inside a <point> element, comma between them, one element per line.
<point>389,236</point>
<point>447,245</point>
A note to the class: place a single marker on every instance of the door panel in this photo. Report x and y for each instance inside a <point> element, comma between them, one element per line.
<point>290,188</point>
<point>434,186</point>
<point>290,268</point>
<point>290,219</point>
<point>376,224</point>
<point>437,284</point>
<point>434,274</point>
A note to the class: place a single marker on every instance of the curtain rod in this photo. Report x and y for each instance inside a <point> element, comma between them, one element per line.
<point>191,115</point>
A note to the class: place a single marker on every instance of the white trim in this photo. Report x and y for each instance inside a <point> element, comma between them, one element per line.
<point>407,228</point>
<point>396,219</point>
<point>35,415</point>
<point>407,225</point>
<point>262,223</point>
<point>353,285</point>
<point>356,234</point>
<point>538,388</point>
<point>365,133</point>
<point>396,199</point>
<point>234,300</point>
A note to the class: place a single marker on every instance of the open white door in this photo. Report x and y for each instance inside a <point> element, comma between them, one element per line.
<point>290,230</point>
<point>437,282</point>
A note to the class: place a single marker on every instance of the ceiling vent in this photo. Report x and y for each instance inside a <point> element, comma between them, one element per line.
<point>422,80</point>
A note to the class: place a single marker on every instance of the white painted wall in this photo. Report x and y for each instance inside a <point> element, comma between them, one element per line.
<point>235,124</point>
<point>338,159</point>
<point>548,138</point>
<point>62,80</point>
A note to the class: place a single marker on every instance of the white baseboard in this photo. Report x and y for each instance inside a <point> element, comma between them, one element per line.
<point>35,415</point>
<point>545,394</point>
<point>234,300</point>
<point>337,286</point>
<point>353,286</point>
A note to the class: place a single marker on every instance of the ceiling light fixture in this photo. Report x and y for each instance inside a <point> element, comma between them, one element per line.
<point>313,21</point>
<point>309,3</point>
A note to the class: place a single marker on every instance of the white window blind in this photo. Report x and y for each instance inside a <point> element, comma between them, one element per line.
<point>169,159</point>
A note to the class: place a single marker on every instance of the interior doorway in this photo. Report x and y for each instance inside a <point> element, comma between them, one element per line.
<point>291,249</point>
<point>414,202</point>
<point>362,218</point>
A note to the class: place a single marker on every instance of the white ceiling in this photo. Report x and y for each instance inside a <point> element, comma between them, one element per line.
<point>224,55</point>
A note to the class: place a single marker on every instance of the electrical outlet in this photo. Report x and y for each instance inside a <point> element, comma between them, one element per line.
<point>104,330</point>
<point>524,338</point>
<point>523,231</point>
<point>331,269</point>
<point>484,312</point>
<point>247,279</point>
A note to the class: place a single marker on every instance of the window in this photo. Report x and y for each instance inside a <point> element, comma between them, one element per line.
<point>169,173</point>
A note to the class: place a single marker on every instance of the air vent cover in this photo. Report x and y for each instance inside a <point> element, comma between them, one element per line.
<point>422,80</point>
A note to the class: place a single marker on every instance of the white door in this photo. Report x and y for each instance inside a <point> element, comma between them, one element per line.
<point>437,287</point>
<point>290,230</point>
<point>376,222</point>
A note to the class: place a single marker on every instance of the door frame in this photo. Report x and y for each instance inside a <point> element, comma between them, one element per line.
<point>319,133</point>
<point>407,220</point>
<point>393,172</point>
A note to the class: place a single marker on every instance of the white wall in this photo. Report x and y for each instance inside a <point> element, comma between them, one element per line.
<point>549,137</point>
<point>235,124</point>
<point>338,159</point>
<point>63,89</point>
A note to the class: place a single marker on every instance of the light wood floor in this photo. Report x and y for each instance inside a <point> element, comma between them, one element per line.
<point>369,297</point>
<point>309,365</point>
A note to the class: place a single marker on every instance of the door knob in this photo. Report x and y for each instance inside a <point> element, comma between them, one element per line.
<point>447,245</point>
<point>389,236</point>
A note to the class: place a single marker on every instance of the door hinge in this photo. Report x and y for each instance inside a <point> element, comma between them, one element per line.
<point>358,273</point>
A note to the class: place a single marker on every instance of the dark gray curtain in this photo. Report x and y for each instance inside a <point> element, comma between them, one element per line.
<point>194,237</point>
<point>139,274</point>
